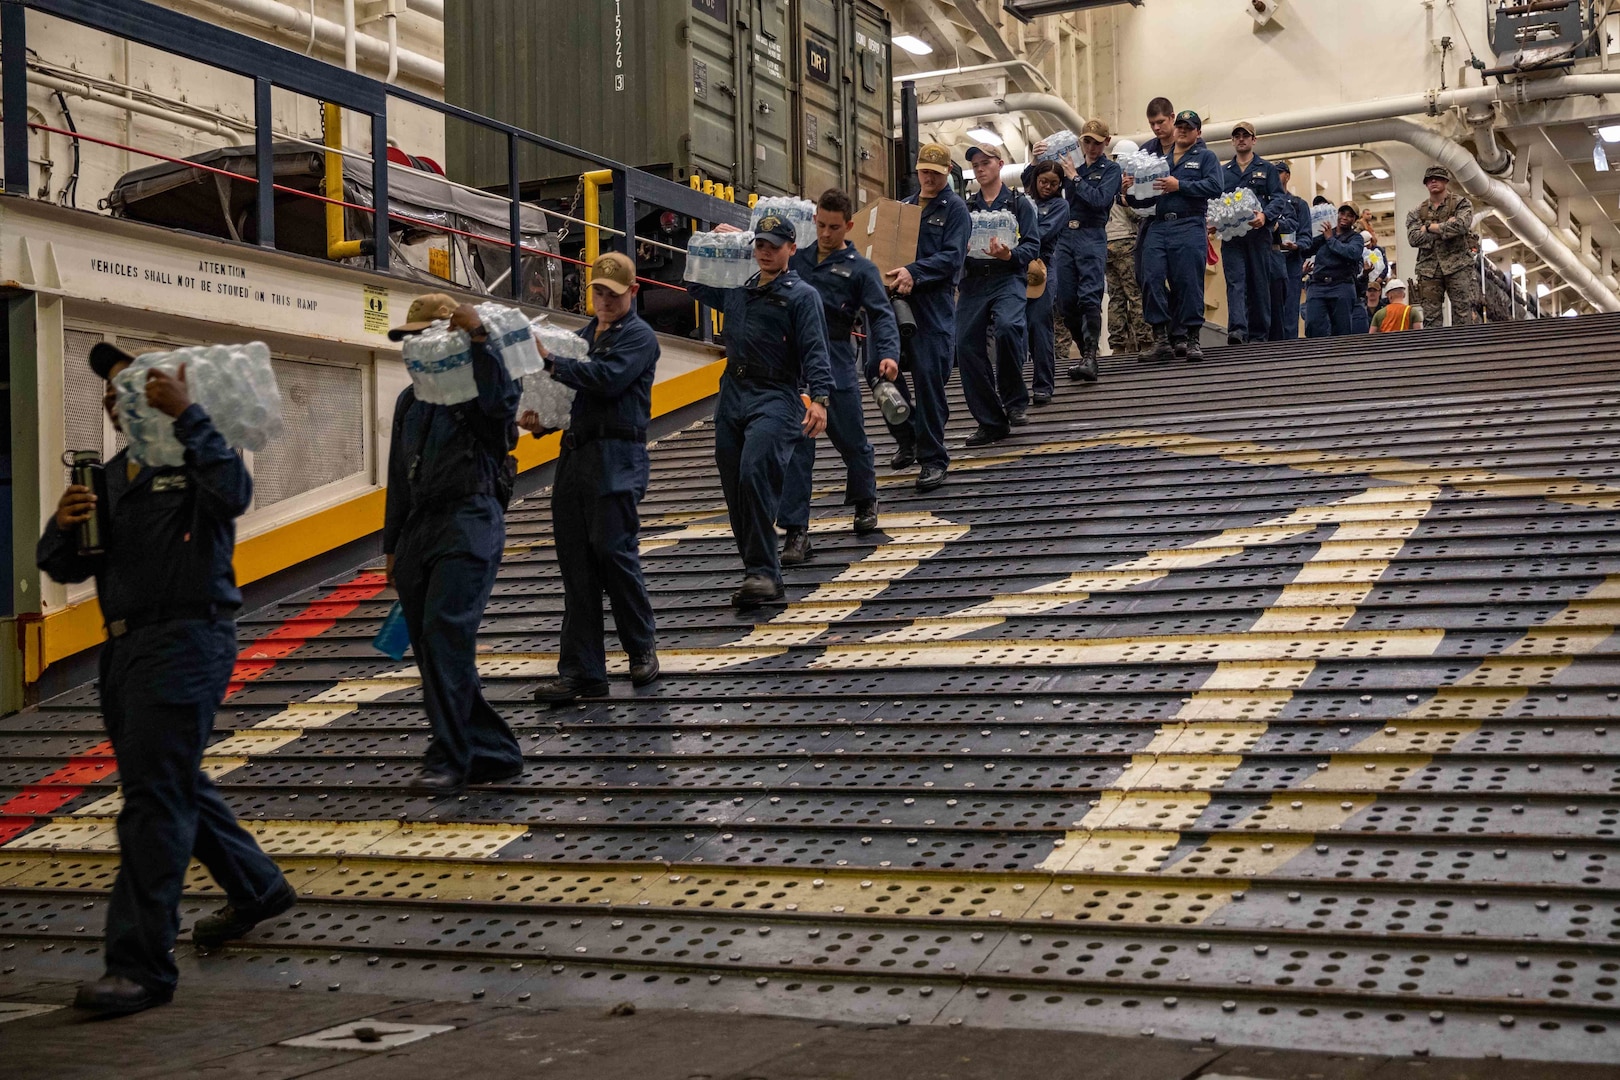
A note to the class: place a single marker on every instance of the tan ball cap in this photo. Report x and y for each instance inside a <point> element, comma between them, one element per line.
<point>424,312</point>
<point>614,272</point>
<point>932,157</point>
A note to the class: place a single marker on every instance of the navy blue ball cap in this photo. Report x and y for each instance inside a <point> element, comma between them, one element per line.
<point>104,356</point>
<point>775,230</point>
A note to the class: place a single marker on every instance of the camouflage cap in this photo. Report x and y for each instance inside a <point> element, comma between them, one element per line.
<point>1436,172</point>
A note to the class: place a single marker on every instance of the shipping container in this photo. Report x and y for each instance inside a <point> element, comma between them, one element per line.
<point>769,96</point>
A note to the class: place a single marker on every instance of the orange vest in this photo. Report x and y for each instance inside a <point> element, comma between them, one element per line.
<point>1396,317</point>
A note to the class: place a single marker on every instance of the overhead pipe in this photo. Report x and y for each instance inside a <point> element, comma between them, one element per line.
<point>1515,213</point>
<point>1493,158</point>
<point>972,69</point>
<point>285,17</point>
<point>135,105</point>
<point>433,9</point>
<point>350,33</point>
<point>1431,102</point>
<point>1050,104</point>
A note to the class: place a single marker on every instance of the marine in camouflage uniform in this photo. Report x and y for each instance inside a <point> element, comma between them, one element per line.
<point>1128,331</point>
<point>1446,265</point>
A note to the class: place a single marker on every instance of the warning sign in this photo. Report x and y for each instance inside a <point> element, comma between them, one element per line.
<point>376,314</point>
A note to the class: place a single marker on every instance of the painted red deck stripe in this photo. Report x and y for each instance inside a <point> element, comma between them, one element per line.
<point>55,791</point>
<point>319,616</point>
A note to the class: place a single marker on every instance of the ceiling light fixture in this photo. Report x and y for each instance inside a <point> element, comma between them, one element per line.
<point>1570,313</point>
<point>914,45</point>
<point>984,134</point>
<point>1611,133</point>
<point>1518,269</point>
<point>1381,196</point>
<point>1542,290</point>
<point>1488,245</point>
<point>1379,174</point>
<point>1600,157</point>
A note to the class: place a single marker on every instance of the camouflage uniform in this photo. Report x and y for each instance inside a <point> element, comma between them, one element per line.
<point>1446,265</point>
<point>1128,331</point>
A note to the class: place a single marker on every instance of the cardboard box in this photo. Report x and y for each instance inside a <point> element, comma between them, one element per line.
<point>887,233</point>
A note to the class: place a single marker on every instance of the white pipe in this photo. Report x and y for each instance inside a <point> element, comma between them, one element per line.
<point>412,65</point>
<point>433,9</point>
<point>134,105</point>
<point>945,73</point>
<point>350,33</point>
<point>1050,104</point>
<point>393,47</point>
<point>1431,102</point>
<point>1515,213</point>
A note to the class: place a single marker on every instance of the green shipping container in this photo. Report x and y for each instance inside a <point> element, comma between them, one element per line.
<point>770,96</point>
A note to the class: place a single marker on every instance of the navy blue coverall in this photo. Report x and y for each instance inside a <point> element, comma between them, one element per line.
<point>1140,205</point>
<point>1285,291</point>
<point>848,284</point>
<point>445,526</point>
<point>601,477</point>
<point>1248,259</point>
<point>1052,215</point>
<point>1332,288</point>
<point>776,342</point>
<point>1176,246</point>
<point>168,593</point>
<point>942,243</point>
<point>1082,251</point>
<point>992,297</point>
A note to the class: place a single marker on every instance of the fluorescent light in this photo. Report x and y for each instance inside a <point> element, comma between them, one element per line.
<point>1542,290</point>
<point>1518,269</point>
<point>1571,313</point>
<point>1488,245</point>
<point>1383,174</point>
<point>980,134</point>
<point>1600,157</point>
<point>1610,133</point>
<point>916,46</point>
<point>1381,196</point>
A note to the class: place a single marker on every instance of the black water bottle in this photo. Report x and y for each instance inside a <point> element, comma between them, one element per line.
<point>86,466</point>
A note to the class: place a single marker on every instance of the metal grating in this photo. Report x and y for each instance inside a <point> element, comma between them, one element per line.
<point>1269,701</point>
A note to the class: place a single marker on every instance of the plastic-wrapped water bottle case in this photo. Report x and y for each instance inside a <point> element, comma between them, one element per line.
<point>234,384</point>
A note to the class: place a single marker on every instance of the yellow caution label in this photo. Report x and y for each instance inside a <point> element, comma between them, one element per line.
<point>376,309</point>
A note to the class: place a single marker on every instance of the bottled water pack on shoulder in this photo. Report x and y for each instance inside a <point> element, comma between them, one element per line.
<point>720,260</point>
<point>559,340</point>
<point>802,212</point>
<point>988,225</point>
<point>1064,146</point>
<point>234,384</point>
<point>1231,214</point>
<point>511,337</point>
<point>439,360</point>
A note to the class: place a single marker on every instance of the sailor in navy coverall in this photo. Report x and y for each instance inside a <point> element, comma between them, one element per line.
<point>450,472</point>
<point>1176,245</point>
<point>992,300</point>
<point>1043,182</point>
<point>601,477</point>
<point>776,342</point>
<point>929,285</point>
<point>1331,290</point>
<point>169,597</point>
<point>850,286</point>
<point>1083,249</point>
<point>1249,261</point>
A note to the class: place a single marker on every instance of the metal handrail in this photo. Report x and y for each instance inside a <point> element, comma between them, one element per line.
<point>268,66</point>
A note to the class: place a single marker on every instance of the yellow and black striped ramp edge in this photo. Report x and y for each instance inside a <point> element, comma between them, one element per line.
<point>1273,700</point>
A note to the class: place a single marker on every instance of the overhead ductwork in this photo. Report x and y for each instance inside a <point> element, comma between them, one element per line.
<point>1049,104</point>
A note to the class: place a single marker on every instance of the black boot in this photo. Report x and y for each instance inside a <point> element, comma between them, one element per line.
<point>796,547</point>
<point>1160,349</point>
<point>114,995</point>
<point>866,517</point>
<point>1178,346</point>
<point>905,454</point>
<point>1194,353</point>
<point>232,921</point>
